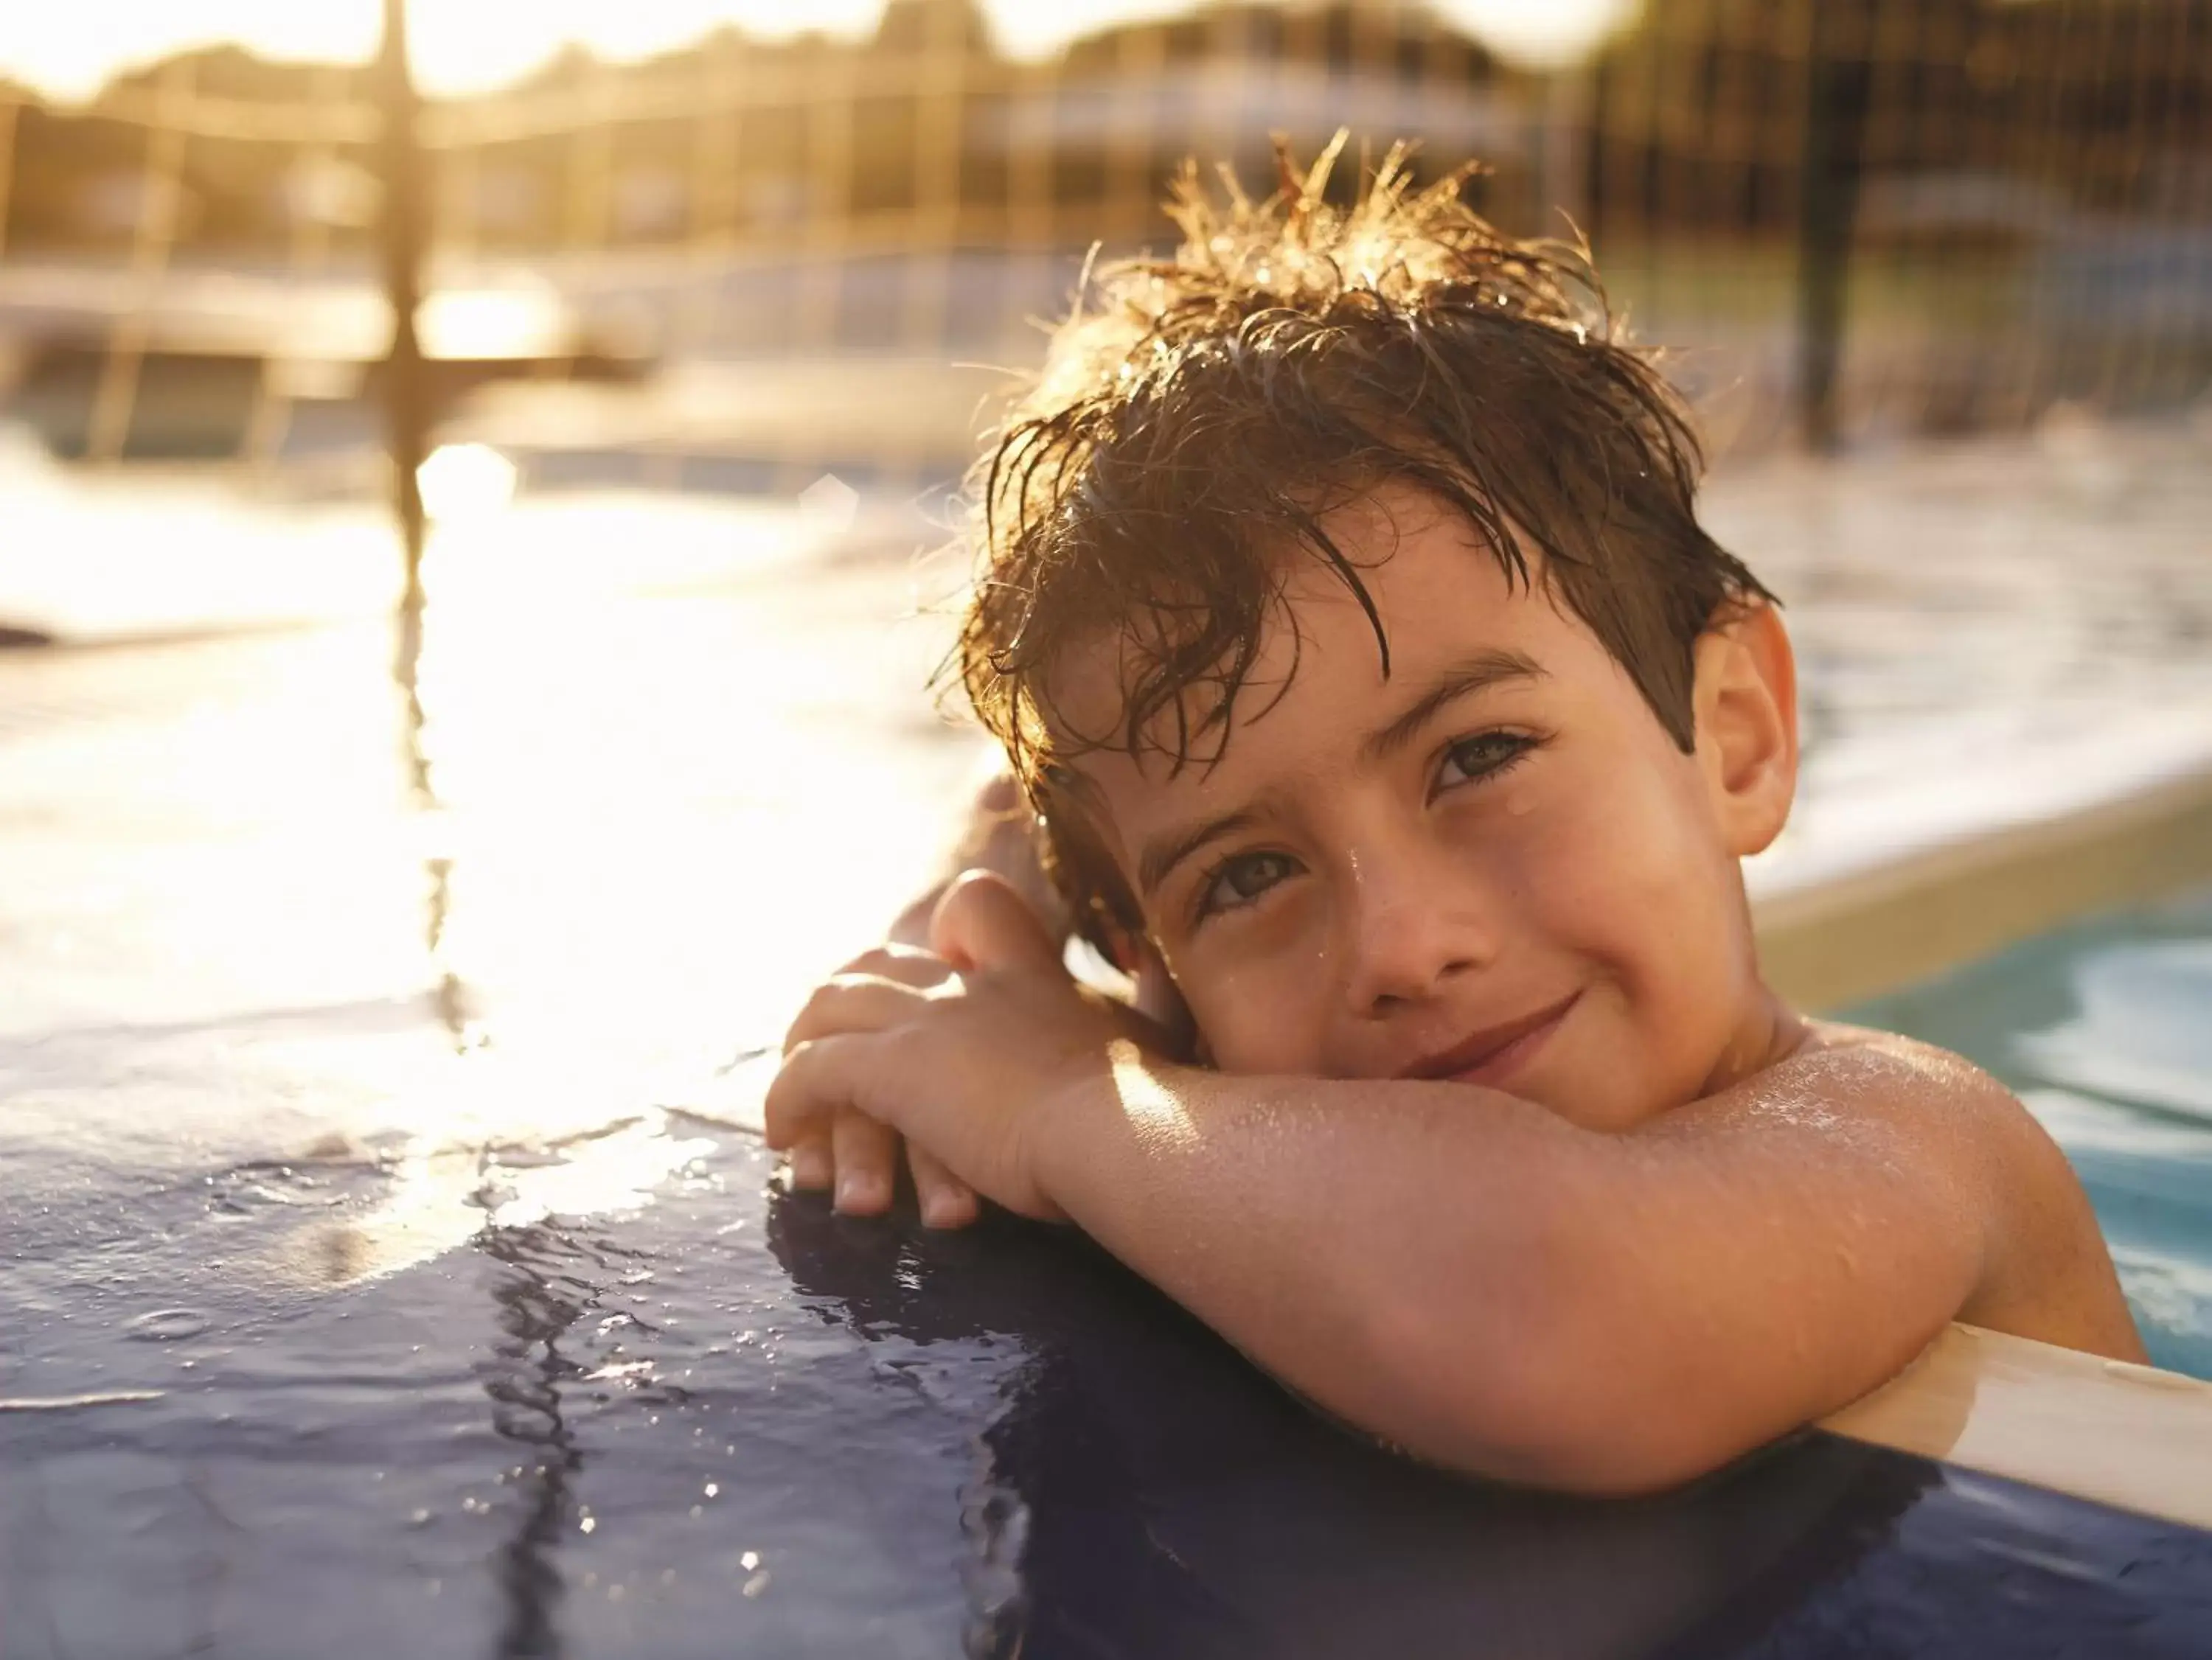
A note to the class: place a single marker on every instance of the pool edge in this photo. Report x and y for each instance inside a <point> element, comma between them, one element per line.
<point>2131,1437</point>
<point>1839,941</point>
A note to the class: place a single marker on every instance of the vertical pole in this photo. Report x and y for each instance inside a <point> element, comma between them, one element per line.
<point>400,232</point>
<point>265,428</point>
<point>1132,179</point>
<point>1837,85</point>
<point>826,242</point>
<point>1562,153</point>
<point>153,240</point>
<point>9,109</point>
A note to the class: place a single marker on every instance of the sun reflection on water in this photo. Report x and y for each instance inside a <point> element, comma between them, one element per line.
<point>595,766</point>
<point>645,792</point>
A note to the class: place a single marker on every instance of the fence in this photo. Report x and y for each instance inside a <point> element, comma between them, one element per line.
<point>747,261</point>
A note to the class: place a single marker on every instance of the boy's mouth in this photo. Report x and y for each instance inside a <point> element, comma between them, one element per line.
<point>1495,1053</point>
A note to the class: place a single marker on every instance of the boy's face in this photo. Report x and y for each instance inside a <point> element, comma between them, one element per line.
<point>1494,865</point>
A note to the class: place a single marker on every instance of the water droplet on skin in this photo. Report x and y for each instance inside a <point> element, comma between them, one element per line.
<point>167,1325</point>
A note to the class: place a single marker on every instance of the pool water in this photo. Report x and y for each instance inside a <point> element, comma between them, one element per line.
<point>703,1417</point>
<point>2105,1030</point>
<point>378,1274</point>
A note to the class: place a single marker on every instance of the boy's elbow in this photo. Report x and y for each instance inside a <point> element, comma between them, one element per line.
<point>1552,1401</point>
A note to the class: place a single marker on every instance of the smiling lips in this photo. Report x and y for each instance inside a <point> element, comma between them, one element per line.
<point>1495,1053</point>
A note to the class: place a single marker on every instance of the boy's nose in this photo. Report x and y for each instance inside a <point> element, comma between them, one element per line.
<point>1407,930</point>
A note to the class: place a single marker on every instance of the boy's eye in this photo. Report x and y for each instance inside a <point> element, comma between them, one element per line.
<point>1484,755</point>
<point>1240,879</point>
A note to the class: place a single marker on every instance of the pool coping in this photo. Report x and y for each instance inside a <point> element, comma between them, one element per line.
<point>1942,904</point>
<point>2132,1436</point>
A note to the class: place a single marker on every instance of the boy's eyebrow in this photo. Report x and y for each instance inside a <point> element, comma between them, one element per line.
<point>1162,855</point>
<point>1473,674</point>
<point>1484,668</point>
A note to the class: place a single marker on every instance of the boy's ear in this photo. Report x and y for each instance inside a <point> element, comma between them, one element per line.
<point>1745,699</point>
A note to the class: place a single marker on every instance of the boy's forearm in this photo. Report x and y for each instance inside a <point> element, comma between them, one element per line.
<point>1399,1253</point>
<point>1496,1289</point>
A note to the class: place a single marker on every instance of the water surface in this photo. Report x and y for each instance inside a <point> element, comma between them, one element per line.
<point>2105,1031</point>
<point>384,1268</point>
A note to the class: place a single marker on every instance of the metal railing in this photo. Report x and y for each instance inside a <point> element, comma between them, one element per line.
<point>1854,217</point>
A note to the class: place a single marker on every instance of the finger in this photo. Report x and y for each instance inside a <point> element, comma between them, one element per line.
<point>866,1155</point>
<point>851,1002</point>
<point>944,1199</point>
<point>909,965</point>
<point>816,1078</point>
<point>982,923</point>
<point>811,1164</point>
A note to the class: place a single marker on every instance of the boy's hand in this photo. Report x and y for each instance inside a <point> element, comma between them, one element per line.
<point>956,1048</point>
<point>846,1147</point>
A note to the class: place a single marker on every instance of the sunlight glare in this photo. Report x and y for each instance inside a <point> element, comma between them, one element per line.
<point>515,321</point>
<point>465,481</point>
<point>1539,34</point>
<point>463,46</point>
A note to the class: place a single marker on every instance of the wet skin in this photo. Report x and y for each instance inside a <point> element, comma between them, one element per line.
<point>1504,1151</point>
<point>1401,872</point>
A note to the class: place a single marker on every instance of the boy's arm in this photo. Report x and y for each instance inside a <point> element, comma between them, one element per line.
<point>1473,1276</point>
<point>1477,1278</point>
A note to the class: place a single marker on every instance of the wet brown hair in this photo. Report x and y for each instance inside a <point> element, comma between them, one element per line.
<point>1199,417</point>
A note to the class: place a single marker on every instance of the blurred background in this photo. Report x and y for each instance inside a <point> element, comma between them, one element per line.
<point>547,669</point>
<point>742,239</point>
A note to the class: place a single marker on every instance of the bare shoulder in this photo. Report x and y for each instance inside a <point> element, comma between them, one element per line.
<point>1888,1069</point>
<point>1853,1082</point>
<point>2046,1272</point>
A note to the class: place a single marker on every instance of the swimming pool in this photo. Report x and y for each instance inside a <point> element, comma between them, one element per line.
<point>2105,1029</point>
<point>366,1288</point>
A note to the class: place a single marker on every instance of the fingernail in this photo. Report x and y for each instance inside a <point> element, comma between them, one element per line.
<point>955,1210</point>
<point>852,1189</point>
<point>809,1168</point>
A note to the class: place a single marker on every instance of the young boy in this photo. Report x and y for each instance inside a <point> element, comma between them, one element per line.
<point>1348,627</point>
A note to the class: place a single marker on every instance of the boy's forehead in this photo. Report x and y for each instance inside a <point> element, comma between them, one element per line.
<point>1412,553</point>
<point>1318,679</point>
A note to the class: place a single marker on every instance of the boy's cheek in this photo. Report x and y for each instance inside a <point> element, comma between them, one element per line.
<point>1664,946</point>
<point>1630,861</point>
<point>1255,1026</point>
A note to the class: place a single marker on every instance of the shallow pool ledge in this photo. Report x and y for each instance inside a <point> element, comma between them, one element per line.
<point>2129,1436</point>
<point>1833,937</point>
